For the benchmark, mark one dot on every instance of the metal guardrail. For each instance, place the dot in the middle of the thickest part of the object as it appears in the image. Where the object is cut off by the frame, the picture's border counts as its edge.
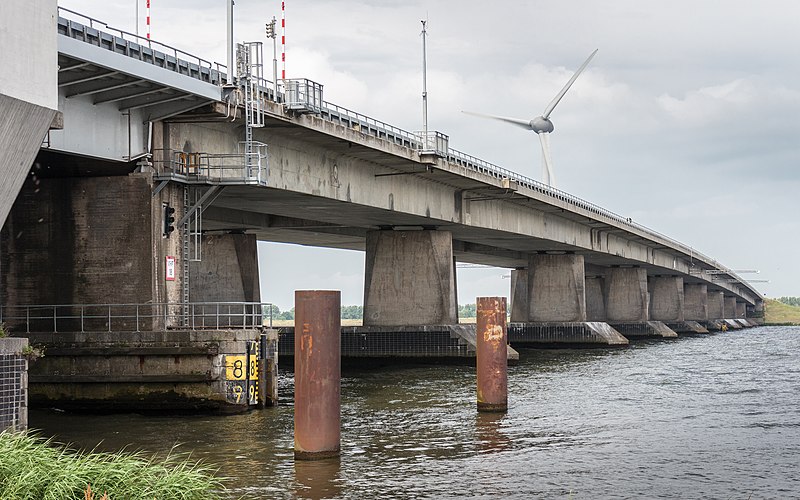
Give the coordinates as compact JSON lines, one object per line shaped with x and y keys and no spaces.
{"x":131,"y":44}
{"x":135,"y":317}
{"x":219,"y":168}
{"x":383,"y":130}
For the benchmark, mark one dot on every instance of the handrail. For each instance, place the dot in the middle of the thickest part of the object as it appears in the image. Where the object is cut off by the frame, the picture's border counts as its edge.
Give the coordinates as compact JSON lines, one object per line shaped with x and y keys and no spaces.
{"x":142,"y":40}
{"x":136,"y":317}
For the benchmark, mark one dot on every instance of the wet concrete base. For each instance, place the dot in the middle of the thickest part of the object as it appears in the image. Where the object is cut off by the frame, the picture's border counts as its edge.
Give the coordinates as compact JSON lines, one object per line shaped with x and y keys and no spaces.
{"x":585,"y":334}
{"x":713,"y":325}
{"x":644,"y":329}
{"x":686,"y":327}
{"x":166,"y":371}
{"x":408,"y":343}
{"x":732,"y":324}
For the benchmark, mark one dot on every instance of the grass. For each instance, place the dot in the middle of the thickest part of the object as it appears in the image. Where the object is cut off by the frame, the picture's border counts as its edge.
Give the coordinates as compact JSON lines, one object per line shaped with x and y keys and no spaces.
{"x":32,"y":468}
{"x":778,"y":313}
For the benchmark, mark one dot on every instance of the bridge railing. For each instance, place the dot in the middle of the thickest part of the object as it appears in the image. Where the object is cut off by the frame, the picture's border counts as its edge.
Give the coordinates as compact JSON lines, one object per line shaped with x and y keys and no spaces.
{"x":88,"y":29}
{"x":97,"y":318}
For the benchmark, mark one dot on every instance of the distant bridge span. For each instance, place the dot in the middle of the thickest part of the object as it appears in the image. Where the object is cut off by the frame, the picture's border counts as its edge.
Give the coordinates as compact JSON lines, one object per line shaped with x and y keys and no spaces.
{"x":333,"y":174}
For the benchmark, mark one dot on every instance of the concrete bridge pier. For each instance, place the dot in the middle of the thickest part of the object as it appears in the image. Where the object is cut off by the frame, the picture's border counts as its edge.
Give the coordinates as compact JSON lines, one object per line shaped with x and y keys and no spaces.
{"x":88,"y":276}
{"x":410,"y":304}
{"x":729,"y":312}
{"x":409,"y":279}
{"x":716,"y":310}
{"x":549,"y":305}
{"x":627,"y":304}
{"x":668,"y":304}
{"x":695,"y":304}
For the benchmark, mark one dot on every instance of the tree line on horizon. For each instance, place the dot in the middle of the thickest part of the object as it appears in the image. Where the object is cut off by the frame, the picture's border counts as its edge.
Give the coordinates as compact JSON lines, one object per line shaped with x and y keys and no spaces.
{"x":789,"y":301}
{"x":353,"y":312}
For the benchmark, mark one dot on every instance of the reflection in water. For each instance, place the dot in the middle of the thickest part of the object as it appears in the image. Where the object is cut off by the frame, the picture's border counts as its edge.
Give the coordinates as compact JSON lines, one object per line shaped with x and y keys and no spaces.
{"x":701,"y":417}
{"x":489,"y":432}
{"x":316,"y":479}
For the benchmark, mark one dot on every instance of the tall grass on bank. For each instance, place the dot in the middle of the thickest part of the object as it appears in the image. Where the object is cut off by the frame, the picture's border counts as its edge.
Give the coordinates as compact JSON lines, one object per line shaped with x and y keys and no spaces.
{"x":37,"y":469}
{"x":777,"y":313}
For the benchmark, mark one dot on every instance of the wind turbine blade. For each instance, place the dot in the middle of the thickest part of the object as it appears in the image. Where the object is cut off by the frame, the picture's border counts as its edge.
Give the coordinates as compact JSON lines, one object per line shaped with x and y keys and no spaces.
{"x":550,"y":107}
{"x":548,"y":176}
{"x":526,"y":124}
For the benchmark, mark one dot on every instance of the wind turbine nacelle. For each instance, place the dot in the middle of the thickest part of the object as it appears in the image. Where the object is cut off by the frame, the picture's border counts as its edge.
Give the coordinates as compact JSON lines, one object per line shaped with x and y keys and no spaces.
{"x":541,"y":125}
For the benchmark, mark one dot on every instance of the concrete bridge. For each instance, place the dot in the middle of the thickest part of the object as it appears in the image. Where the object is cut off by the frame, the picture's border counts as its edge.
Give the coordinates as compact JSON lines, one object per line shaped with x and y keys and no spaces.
{"x":146,"y":132}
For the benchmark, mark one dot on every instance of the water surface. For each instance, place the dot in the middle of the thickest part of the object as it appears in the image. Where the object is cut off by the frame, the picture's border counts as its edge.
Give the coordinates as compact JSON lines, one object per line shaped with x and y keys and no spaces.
{"x":713,"y":416}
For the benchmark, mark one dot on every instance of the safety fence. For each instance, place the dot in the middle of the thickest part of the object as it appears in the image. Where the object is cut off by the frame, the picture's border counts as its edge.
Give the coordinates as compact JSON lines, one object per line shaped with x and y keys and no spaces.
{"x":135,"y":317}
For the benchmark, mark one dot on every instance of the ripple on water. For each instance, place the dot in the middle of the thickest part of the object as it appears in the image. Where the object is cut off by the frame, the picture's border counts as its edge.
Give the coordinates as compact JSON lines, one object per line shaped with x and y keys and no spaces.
{"x":701,"y":417}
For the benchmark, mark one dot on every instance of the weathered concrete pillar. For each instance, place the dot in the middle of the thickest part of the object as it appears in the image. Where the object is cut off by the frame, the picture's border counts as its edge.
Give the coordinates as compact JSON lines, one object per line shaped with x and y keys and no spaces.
{"x":595,"y":303}
{"x":317,"y":374}
{"x":520,"y":306}
{"x":228,"y":271}
{"x":741,"y":310}
{"x":716,"y":305}
{"x":695,"y":301}
{"x":556,"y":288}
{"x":666,"y":298}
{"x":491,"y":354}
{"x":626,"y":294}
{"x":729,"y":307}
{"x":409,"y":279}
{"x":627,"y":304}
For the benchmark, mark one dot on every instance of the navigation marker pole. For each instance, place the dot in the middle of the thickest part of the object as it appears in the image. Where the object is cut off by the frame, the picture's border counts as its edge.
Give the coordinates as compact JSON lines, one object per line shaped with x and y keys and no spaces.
{"x":148,"y":20}
{"x":492,"y":354}
{"x":283,"y":40}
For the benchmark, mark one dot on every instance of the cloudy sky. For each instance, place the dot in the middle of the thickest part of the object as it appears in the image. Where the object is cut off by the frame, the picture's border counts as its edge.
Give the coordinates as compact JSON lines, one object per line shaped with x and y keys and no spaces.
{"x":686,"y":120}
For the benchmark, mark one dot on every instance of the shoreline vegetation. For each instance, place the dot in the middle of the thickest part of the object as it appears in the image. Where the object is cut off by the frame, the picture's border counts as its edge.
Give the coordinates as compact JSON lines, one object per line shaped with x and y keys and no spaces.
{"x":777,"y":312}
{"x":35,"y":468}
{"x":780,"y":313}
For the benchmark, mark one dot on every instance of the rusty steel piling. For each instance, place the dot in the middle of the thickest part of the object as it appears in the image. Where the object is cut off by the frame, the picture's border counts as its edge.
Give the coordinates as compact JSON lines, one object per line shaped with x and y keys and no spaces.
{"x":492,"y":353}
{"x":317,"y":374}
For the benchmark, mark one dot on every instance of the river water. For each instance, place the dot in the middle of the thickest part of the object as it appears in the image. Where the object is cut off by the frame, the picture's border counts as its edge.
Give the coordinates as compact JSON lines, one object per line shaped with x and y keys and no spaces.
{"x":713,"y":416}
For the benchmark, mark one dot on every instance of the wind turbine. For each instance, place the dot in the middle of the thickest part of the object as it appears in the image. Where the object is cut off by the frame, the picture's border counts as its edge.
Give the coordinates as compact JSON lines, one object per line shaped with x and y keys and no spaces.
{"x":542,"y":124}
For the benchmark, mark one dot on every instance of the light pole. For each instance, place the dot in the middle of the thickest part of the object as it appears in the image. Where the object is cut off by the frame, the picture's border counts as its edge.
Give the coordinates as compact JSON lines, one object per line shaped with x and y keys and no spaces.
{"x":424,"y":84}
{"x":272,"y":33}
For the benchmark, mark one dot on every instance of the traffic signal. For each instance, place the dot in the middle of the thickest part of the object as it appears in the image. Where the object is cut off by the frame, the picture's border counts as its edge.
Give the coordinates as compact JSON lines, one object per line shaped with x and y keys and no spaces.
{"x":169,"y":220}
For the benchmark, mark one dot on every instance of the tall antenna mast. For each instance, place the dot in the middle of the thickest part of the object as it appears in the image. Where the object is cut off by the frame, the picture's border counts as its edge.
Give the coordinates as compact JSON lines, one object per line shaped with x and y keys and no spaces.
{"x":231,"y":63}
{"x":424,"y":83}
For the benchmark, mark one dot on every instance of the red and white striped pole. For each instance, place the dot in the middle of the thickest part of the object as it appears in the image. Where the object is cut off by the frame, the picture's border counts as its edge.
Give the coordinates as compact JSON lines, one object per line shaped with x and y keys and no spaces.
{"x":283,"y":40}
{"x":148,"y":19}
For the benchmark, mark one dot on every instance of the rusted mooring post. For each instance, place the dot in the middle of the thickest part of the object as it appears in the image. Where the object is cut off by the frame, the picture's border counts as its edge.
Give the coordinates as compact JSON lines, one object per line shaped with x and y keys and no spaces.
{"x":492,"y":354}
{"x":317,"y":374}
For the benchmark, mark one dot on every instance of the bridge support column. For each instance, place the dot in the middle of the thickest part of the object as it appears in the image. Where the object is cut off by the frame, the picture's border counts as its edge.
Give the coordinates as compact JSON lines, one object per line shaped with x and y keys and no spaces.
{"x":409,"y":279}
{"x":667,"y":304}
{"x":741,"y":310}
{"x":520,"y":306}
{"x":627,"y":304}
{"x":556,"y":305}
{"x":695,"y":306}
{"x":228,"y":271}
{"x":716,"y":310}
{"x":595,"y":303}
{"x":556,"y":288}
{"x":96,"y":245}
